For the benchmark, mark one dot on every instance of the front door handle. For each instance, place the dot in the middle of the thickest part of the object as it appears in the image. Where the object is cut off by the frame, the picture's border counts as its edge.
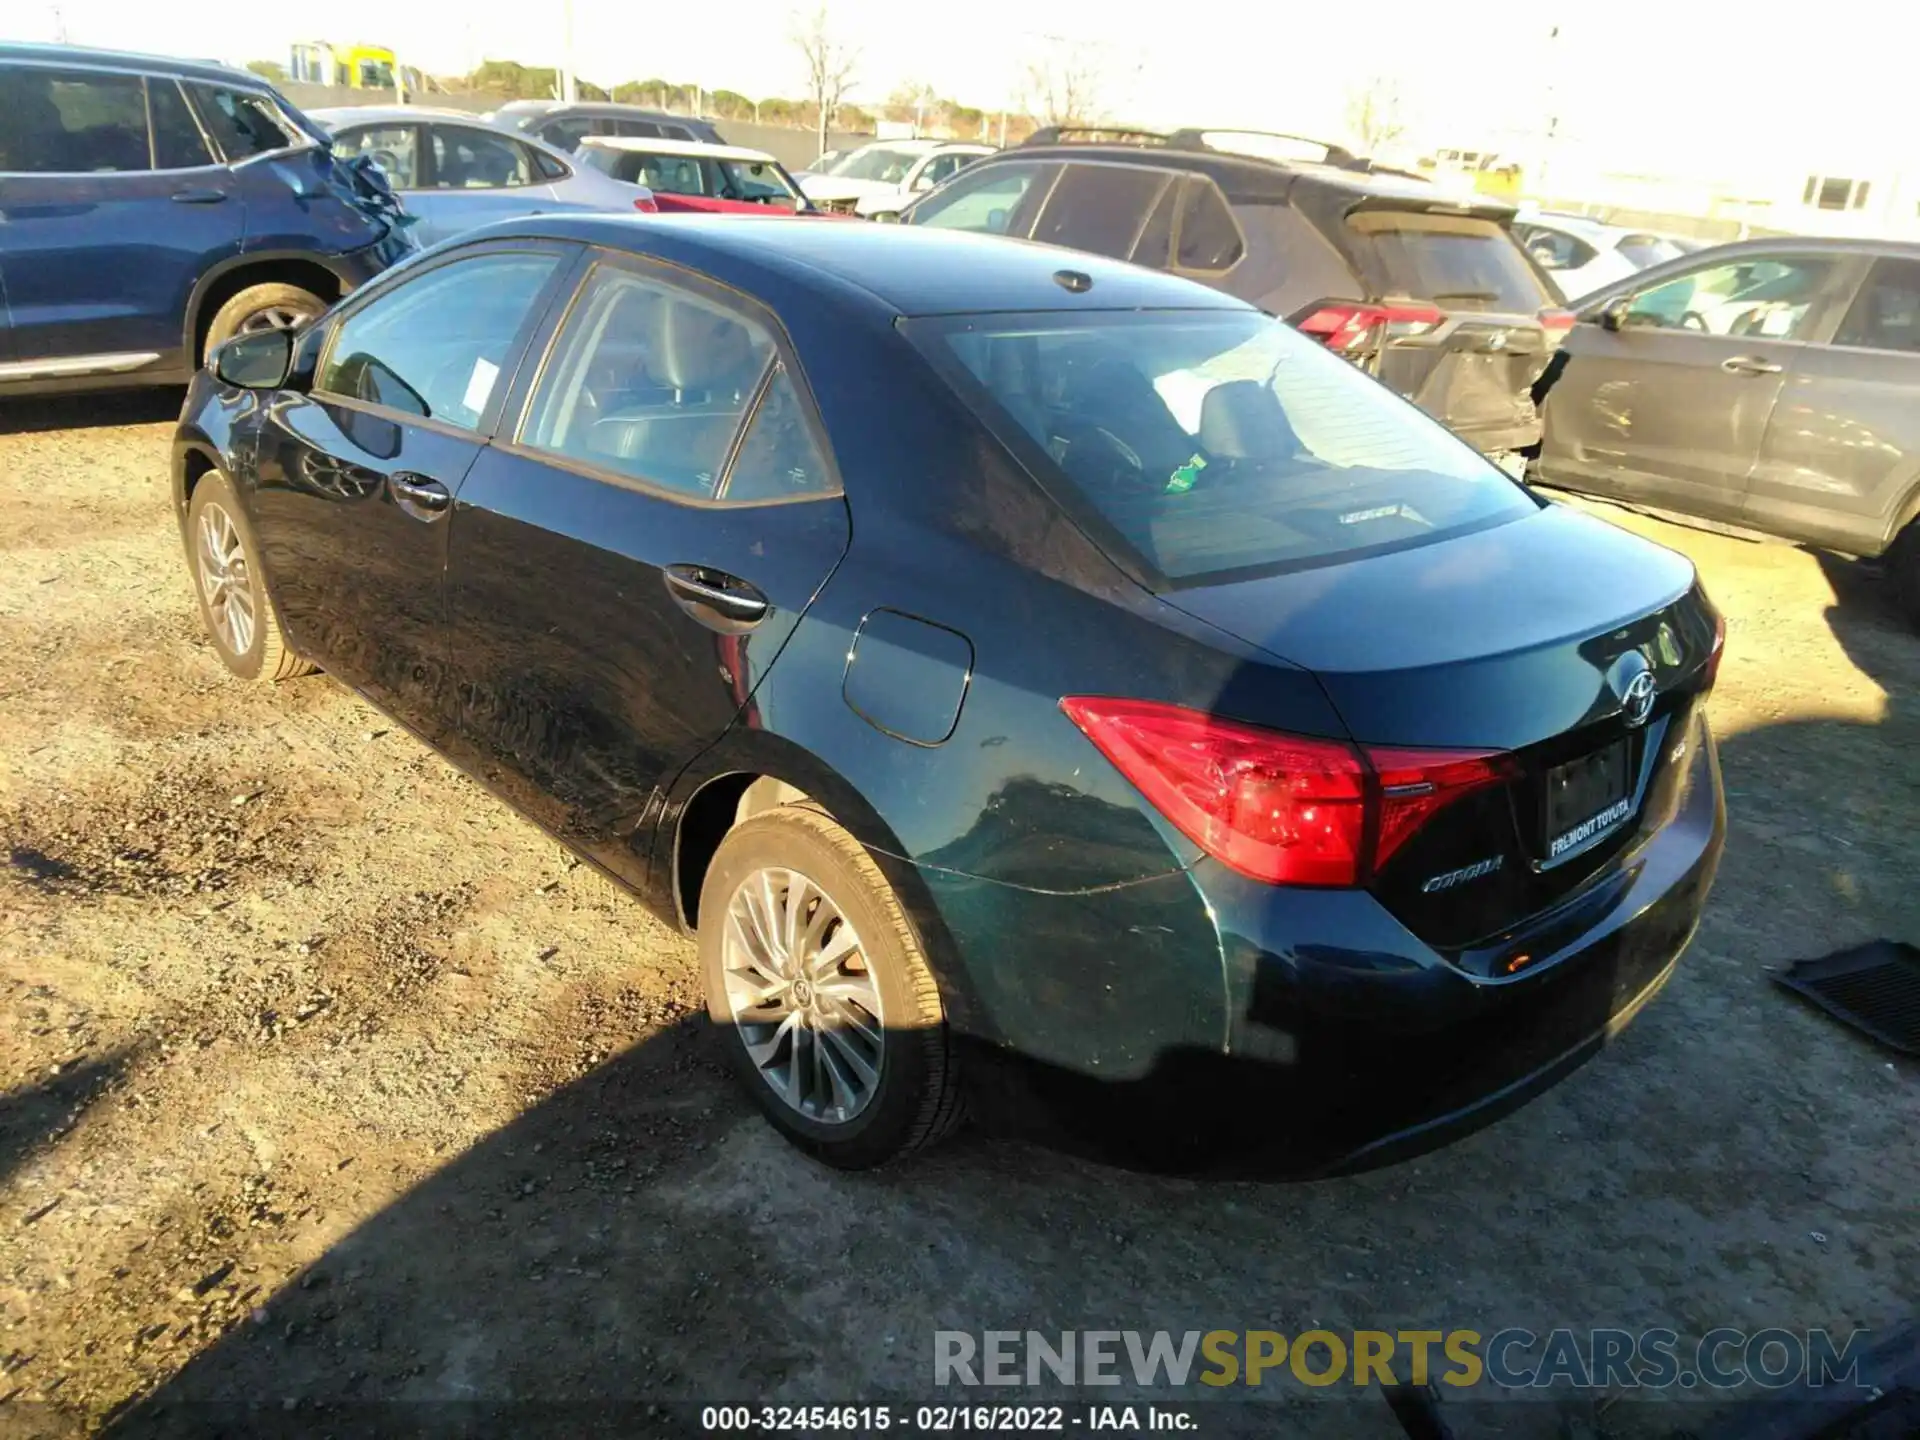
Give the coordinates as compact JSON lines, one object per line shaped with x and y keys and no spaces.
{"x":716,"y":599}
{"x":421,"y":497}
{"x":1748,"y":365}
{"x":199,"y":197}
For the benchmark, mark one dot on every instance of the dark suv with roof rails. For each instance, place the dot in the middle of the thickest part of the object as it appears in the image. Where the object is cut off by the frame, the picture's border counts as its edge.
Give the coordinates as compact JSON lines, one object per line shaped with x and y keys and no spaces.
{"x":1425,"y":289}
{"x":151,"y":208}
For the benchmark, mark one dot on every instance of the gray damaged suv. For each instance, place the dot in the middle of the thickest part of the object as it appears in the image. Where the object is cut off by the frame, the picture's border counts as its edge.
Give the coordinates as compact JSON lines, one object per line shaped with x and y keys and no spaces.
{"x":1772,"y":385}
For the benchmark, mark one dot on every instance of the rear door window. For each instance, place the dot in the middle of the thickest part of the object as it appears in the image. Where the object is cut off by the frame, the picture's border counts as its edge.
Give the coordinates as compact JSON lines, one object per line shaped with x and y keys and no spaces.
{"x":1886,"y":313}
{"x":177,"y":141}
{"x":1209,"y":238}
{"x":1101,"y":208}
{"x":467,"y":158}
{"x":994,"y":200}
{"x":72,"y":122}
{"x":1461,"y":262}
{"x":566,"y":134}
{"x":652,"y":382}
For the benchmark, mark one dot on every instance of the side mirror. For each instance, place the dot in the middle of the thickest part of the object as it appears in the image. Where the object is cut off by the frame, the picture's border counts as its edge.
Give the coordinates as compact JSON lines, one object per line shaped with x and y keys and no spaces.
{"x":1614,"y":315}
{"x":258,"y":361}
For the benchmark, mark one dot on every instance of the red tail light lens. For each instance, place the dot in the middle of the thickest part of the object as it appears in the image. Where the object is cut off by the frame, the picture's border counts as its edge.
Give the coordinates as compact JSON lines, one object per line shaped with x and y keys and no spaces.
{"x":1719,"y":649}
{"x":1284,"y":809}
{"x":1280,"y":808}
{"x":648,"y":204}
{"x":1347,"y":326}
{"x":1561,"y":320}
{"x":1416,"y":785}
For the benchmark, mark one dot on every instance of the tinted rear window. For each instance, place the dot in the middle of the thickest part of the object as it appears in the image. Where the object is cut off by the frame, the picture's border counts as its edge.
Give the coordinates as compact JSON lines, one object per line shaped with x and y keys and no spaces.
{"x":1214,"y":442}
{"x":1458,"y":261}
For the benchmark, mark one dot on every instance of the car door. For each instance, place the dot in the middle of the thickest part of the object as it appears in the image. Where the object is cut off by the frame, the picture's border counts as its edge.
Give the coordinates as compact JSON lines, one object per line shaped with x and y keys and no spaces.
{"x":111,"y":208}
{"x":631,"y":554}
{"x":1665,"y":398}
{"x":356,"y":472}
{"x":473,"y":175}
{"x":1842,"y":452}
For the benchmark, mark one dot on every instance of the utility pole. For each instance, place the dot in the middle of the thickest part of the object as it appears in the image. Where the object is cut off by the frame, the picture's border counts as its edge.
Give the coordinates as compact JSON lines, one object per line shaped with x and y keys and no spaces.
{"x":568,"y":93}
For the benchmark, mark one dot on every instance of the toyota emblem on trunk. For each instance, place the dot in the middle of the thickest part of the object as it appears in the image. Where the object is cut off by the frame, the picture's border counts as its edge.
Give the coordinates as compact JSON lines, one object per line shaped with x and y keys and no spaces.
{"x":1637,"y":699}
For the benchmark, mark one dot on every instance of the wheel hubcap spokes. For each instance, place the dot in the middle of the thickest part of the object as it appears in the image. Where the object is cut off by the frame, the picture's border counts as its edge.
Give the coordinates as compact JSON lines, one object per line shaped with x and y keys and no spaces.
{"x":803,"y":997}
{"x":274,"y":317}
{"x":224,"y":580}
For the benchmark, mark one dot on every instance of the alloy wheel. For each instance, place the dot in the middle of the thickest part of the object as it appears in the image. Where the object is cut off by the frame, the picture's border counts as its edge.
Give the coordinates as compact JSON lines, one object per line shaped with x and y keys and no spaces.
{"x":803,"y":996}
{"x":225,"y":580}
{"x":273,"y":317}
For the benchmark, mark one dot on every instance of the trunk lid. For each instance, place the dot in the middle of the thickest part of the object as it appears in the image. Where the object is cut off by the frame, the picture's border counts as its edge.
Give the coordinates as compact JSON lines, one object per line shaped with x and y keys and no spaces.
{"x":1527,"y":639}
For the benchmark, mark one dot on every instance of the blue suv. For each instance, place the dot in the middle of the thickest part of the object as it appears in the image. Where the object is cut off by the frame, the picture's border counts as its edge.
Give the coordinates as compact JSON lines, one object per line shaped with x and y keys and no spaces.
{"x":151,"y":208}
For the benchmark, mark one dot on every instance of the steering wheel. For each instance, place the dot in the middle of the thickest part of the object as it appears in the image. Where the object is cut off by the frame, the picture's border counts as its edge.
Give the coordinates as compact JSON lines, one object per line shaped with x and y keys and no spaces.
{"x":1694,"y":320}
{"x":385,"y":161}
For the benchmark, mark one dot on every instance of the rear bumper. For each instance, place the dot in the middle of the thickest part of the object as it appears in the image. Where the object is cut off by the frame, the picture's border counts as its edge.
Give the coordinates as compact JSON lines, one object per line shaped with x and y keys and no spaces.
{"x":1349,"y":1043}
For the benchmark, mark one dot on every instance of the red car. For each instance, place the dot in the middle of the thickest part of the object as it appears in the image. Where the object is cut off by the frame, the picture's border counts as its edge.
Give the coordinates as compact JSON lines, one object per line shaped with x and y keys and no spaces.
{"x":691,"y":175}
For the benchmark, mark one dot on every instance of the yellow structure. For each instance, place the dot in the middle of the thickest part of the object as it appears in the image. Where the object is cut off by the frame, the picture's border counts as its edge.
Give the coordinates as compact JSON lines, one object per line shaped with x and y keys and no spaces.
{"x":356,"y":67}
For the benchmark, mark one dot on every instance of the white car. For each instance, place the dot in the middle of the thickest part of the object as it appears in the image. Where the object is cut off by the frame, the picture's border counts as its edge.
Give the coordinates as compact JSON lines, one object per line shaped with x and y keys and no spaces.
{"x":1585,"y":255}
{"x":879,"y":180}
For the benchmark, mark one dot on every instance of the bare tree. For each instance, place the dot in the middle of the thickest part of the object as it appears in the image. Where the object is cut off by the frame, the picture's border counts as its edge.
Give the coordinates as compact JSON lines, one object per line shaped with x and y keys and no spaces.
{"x":831,"y":63}
{"x":1374,"y":114}
{"x":1063,"y":86}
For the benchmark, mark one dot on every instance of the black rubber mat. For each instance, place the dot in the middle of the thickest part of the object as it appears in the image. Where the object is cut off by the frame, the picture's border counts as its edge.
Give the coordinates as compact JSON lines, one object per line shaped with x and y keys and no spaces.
{"x":1875,"y":988}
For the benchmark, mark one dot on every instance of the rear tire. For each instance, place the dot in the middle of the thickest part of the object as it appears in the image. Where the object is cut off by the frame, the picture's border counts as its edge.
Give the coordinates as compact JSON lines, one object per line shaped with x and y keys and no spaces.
{"x":224,"y":559}
{"x":845,"y":1049}
{"x":261,"y":307}
{"x":1903,"y":572}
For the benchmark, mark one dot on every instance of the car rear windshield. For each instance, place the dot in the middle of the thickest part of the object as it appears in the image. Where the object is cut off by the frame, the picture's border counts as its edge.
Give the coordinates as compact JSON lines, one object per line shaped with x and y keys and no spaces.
{"x":1459,"y":261}
{"x":1209,"y":442}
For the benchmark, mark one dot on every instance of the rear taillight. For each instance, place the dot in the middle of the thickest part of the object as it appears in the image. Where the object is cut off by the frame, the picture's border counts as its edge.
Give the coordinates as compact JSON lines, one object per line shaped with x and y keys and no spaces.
{"x":1349,"y":327}
{"x":1284,"y":809}
{"x":647,"y":204}
{"x":1714,"y":655}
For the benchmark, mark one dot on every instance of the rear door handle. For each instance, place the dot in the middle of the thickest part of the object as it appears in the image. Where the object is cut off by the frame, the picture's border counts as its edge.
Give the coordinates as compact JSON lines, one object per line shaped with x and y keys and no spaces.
{"x":716,"y":599}
{"x":199,"y":197}
{"x":422,"y":498}
{"x":1748,"y":365}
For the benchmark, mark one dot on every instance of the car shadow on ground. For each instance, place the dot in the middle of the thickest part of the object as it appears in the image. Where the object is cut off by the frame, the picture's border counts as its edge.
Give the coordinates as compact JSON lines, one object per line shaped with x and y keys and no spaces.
{"x":34,"y":1116}
{"x":151,"y":406}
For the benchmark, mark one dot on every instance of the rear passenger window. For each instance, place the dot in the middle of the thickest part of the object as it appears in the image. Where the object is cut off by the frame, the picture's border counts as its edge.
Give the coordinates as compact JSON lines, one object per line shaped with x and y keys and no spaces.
{"x":1886,"y":314}
{"x":651,"y":382}
{"x":779,"y":458}
{"x":1155,"y":245}
{"x":1101,"y":208}
{"x":1209,"y":238}
{"x":72,"y":122}
{"x":435,"y":346}
{"x":468,"y":158}
{"x":549,"y":168}
{"x":640,"y":129}
{"x":242,"y":122}
{"x":177,"y":141}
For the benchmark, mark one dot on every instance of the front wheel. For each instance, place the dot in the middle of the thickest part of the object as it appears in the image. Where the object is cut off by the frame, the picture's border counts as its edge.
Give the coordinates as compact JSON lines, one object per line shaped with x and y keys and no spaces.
{"x":821,"y":993}
{"x":234,"y":604}
{"x":262,"y":307}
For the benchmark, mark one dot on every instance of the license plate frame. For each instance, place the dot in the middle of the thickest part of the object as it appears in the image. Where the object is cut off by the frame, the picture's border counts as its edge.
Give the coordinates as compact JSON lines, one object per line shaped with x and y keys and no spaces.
{"x":1584,"y":800}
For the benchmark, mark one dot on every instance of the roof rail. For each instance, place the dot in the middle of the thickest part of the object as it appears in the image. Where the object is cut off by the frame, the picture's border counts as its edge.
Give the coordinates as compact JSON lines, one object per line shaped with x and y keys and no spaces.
{"x":1094,"y":135}
{"x":1196,"y":137}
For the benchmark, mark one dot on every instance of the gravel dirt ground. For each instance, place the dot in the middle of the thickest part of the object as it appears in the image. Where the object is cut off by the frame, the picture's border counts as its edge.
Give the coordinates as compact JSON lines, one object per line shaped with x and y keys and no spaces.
{"x":332,"y":1084}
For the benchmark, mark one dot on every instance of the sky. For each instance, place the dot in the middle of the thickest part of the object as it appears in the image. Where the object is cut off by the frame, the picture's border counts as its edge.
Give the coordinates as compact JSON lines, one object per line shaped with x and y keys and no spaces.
{"x":1685,"y":85}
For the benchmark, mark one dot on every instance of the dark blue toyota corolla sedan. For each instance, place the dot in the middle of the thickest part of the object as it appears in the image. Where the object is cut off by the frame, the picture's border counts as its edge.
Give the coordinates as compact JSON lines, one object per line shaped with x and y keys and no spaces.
{"x":1025,"y":673}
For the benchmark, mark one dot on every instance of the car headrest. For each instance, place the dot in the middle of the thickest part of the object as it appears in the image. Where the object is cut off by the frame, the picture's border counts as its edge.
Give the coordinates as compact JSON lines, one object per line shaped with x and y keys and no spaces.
{"x":1242,"y":420}
{"x":698,"y":349}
